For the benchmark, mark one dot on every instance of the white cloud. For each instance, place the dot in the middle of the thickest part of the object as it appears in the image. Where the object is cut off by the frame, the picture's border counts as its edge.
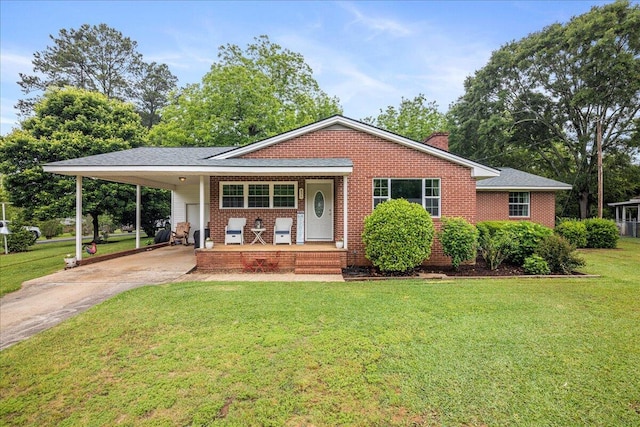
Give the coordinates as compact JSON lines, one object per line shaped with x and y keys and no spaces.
{"x":376,"y":25}
{"x":13,"y":64}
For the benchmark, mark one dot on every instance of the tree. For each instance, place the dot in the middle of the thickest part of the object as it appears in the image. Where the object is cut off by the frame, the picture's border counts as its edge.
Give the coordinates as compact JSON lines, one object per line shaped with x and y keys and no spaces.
{"x":155,"y":205}
{"x":538,"y":101}
{"x":68,"y":123}
{"x":247,"y":95}
{"x":100,"y":59}
{"x":415,"y":119}
{"x":152,"y":89}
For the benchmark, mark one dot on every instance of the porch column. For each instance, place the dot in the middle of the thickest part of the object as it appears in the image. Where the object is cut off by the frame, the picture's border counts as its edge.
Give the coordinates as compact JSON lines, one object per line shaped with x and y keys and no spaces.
{"x":79,"y":217}
{"x":138,"y":216}
{"x":201,"y":225}
{"x":345,"y":211}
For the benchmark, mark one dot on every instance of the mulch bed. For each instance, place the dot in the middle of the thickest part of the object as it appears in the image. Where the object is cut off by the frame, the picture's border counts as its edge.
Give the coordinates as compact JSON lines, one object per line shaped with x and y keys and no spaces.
{"x":479,"y":269}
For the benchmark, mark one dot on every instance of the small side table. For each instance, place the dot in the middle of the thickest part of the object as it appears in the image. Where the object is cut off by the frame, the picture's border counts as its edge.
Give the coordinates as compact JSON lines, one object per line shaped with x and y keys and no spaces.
{"x":258,"y":232}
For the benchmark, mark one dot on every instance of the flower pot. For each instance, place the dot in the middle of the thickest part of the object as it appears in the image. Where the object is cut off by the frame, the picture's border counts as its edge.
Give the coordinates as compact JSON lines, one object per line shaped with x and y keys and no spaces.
{"x":208,"y":244}
{"x":339,"y":244}
{"x":70,"y":262}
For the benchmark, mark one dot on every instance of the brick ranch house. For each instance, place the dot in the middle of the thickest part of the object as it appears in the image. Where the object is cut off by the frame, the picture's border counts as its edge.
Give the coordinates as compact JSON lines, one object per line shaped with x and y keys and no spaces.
{"x":326,"y":176}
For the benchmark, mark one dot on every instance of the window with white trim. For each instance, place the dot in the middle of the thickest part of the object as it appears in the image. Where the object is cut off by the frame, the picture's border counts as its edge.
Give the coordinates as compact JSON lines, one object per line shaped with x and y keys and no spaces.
{"x":519,"y":203}
{"x":258,"y":195}
{"x":425,"y":192}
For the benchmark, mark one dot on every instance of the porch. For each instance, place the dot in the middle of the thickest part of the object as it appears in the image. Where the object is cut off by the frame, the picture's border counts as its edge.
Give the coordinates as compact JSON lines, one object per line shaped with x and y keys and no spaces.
{"x":310,"y":258}
{"x":628,"y":217}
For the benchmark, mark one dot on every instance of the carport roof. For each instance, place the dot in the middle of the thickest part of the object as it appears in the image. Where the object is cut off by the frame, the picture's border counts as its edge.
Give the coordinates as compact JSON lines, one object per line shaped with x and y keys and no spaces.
{"x":160,"y":167}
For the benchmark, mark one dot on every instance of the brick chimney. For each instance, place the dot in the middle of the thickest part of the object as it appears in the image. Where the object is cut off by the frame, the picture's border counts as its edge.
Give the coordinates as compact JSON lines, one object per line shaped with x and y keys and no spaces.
{"x":439,"y":140}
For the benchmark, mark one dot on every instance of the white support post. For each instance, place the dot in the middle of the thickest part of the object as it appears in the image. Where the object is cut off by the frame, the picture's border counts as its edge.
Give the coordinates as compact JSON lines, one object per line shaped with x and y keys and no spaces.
{"x":345,"y":211}
{"x":138,"y":198}
{"x":201,"y":225}
{"x":79,"y":217}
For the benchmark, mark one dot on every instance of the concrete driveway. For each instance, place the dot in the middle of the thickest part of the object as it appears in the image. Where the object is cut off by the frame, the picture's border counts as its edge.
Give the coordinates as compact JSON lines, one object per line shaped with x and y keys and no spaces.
{"x":48,"y":300}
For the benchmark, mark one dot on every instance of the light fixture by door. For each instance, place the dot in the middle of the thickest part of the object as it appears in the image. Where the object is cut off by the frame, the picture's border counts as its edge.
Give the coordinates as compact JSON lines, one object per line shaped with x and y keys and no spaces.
{"x":182,"y":178}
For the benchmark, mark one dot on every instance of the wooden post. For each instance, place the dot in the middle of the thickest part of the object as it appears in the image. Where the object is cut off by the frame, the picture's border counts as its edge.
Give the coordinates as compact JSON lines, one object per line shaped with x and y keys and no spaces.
{"x":600,"y":184}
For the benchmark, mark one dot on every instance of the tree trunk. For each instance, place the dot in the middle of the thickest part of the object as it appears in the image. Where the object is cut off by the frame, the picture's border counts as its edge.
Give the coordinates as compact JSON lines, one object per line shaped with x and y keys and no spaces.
{"x":96,"y":228}
{"x":583,"y":201}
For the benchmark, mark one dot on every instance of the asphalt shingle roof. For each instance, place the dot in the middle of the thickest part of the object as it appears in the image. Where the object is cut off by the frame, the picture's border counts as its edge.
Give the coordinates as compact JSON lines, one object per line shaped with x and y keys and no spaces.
{"x":513,"y":178}
{"x":190,"y":156}
{"x":149,"y":156}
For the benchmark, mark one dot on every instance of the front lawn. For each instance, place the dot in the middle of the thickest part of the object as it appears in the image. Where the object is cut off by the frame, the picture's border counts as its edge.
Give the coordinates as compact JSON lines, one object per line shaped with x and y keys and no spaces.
{"x":539,"y":352}
{"x":46,"y":258}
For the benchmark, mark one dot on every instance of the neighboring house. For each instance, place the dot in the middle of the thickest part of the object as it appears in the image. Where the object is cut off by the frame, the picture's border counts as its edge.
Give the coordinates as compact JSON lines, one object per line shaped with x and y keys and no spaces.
{"x":628,"y":216}
{"x":326,"y":176}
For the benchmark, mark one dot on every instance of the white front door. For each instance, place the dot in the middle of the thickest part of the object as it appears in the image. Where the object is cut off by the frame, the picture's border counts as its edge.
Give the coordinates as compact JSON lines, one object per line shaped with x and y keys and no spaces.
{"x":319,"y":211}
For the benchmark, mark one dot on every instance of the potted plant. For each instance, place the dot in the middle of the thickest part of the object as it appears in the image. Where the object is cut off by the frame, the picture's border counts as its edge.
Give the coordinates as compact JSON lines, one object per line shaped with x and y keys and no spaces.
{"x":70,"y":261}
{"x":208,"y":243}
{"x":339,"y":243}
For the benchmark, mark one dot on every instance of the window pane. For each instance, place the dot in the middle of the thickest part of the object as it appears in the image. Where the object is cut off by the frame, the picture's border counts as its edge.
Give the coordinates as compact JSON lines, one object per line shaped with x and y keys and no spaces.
{"x":432,"y":188}
{"x":380,"y":188}
{"x":432,"y":206}
{"x":258,"y":196}
{"x":410,"y":189}
{"x":284,"y":196}
{"x":519,"y":204}
{"x":233,"y":196}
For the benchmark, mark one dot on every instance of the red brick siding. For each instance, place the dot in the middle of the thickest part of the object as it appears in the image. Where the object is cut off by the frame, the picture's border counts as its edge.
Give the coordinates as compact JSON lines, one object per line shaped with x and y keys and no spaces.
{"x":494,"y":205}
{"x":372,"y":157}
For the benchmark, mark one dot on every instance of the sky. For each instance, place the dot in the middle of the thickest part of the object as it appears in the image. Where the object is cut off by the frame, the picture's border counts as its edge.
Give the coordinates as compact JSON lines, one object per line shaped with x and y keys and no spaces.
{"x":369,"y":54}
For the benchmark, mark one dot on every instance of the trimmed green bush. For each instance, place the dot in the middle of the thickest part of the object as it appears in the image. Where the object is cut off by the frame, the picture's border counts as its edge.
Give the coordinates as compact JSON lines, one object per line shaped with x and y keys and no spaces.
{"x":494,"y":249}
{"x":535,"y":264}
{"x":458,"y":239}
{"x":398,"y":235}
{"x":601,"y":233}
{"x":574,"y":231}
{"x":526,"y":236}
{"x":559,"y":254}
{"x":20,"y":238}
{"x":51,"y":228}
{"x":490,"y":227}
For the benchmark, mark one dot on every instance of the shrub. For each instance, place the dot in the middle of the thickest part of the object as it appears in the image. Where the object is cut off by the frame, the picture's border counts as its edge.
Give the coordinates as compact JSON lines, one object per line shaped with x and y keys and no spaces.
{"x":20,"y":238}
{"x":494,"y":249}
{"x":51,"y":228}
{"x":398,"y":235}
{"x":526,"y":236}
{"x":458,"y":239}
{"x":535,"y":264}
{"x":559,"y":254}
{"x":574,"y":231}
{"x":490,"y":227}
{"x":601,"y":233}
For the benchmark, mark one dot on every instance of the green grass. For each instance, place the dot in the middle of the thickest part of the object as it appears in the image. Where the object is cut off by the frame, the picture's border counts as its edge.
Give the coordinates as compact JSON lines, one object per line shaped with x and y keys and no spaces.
{"x":533,"y":352}
{"x":46,"y":258}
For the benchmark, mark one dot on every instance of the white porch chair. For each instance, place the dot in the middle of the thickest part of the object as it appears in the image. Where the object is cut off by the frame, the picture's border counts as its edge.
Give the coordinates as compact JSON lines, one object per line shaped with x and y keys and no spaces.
{"x":234,"y":231}
{"x":282,"y":230}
